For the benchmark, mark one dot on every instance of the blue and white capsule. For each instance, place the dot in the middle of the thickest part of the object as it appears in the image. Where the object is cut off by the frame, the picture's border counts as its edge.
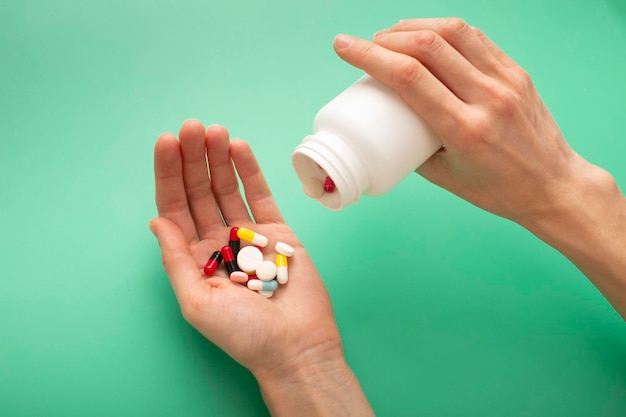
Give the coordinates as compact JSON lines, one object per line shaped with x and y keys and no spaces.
{"x":258,"y":285}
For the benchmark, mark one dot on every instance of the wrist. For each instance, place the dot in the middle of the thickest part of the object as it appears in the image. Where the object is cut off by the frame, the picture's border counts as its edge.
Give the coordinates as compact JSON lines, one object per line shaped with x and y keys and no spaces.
{"x":583,"y":209}
{"x":586,"y":222}
{"x":317,"y":382}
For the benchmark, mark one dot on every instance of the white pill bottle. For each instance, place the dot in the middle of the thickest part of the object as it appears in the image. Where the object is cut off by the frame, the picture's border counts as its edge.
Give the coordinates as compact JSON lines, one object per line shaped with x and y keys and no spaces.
{"x":366,"y":140}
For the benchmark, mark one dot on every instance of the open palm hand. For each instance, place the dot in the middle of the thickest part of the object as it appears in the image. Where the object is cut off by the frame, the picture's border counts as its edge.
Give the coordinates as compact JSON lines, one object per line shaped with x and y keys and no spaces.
{"x":199,"y":200}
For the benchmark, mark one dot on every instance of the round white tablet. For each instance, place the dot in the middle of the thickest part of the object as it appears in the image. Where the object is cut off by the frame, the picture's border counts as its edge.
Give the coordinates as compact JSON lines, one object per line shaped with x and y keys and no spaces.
{"x":248,"y":258}
{"x":266,"y":271}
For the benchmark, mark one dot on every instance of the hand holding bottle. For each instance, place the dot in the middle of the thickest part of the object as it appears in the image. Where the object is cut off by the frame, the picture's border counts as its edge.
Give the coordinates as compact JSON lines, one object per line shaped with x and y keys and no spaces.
{"x":503,"y":150}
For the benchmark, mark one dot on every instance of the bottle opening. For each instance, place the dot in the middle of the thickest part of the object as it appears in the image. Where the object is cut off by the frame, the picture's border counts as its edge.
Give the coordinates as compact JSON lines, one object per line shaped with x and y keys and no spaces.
{"x":317,"y":182}
{"x":329,"y":170}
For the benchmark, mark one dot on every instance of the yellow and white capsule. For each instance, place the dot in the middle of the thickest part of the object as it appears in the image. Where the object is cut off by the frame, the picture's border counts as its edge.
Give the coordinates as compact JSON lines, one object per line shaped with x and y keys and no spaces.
{"x":252,"y":237}
{"x":282,"y":275}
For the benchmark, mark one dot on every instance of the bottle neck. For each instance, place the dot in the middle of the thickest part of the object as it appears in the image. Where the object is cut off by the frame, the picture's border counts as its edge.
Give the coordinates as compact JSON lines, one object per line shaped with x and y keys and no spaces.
{"x":323,"y":155}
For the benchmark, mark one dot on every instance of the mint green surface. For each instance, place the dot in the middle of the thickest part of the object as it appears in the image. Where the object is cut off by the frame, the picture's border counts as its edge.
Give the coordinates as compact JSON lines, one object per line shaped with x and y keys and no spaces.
{"x":445,"y":310}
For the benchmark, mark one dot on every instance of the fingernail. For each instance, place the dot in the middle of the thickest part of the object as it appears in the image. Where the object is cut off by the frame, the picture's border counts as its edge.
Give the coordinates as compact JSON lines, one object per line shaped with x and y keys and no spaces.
{"x":380,"y":32}
{"x":343,"y":41}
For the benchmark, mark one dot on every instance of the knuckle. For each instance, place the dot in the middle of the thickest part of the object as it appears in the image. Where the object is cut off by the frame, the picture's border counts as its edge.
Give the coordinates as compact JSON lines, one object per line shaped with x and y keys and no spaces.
{"x":477,"y":128}
{"x":478,"y":32}
{"x":505,"y":105}
{"x":426,"y":40}
{"x":503,"y":101}
{"x":523,"y":80}
{"x":406,"y":73}
{"x":455,"y":26}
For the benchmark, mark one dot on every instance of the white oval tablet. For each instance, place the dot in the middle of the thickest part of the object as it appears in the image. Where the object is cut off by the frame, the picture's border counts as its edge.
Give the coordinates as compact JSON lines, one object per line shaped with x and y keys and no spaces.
{"x":248,"y":258}
{"x":284,"y":249}
{"x":266,"y":271}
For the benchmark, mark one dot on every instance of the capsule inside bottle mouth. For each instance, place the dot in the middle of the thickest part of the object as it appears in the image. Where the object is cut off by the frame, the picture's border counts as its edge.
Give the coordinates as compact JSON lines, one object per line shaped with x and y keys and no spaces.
{"x":315,"y":188}
{"x":329,"y":184}
{"x":320,"y":181}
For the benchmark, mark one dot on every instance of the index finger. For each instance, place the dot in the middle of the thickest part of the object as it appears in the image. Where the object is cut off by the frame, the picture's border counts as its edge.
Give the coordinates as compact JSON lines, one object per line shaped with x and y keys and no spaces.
{"x":171,"y":199}
{"x":461,"y":36}
{"x":422,"y":91}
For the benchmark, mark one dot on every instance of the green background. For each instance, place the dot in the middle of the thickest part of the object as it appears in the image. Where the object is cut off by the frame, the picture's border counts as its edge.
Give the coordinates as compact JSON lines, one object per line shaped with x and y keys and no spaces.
{"x":445,"y":310}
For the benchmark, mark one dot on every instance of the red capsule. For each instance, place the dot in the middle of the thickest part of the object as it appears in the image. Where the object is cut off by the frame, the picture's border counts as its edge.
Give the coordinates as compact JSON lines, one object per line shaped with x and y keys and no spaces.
{"x":229,"y":259}
{"x":213,"y":263}
{"x":329,"y":185}
{"x":234,"y":242}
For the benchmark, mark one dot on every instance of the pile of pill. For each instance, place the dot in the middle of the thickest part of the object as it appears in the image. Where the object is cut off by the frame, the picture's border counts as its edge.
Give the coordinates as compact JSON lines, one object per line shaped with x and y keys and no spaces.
{"x":247,"y":265}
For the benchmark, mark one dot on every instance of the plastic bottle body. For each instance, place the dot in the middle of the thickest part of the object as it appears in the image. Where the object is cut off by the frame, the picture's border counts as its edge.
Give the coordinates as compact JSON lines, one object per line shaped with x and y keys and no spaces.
{"x":367,"y":139}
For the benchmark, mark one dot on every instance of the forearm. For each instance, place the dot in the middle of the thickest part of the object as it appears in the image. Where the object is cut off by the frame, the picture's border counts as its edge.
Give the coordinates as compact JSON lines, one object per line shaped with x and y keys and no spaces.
{"x":588,"y":226}
{"x":315,"y":389}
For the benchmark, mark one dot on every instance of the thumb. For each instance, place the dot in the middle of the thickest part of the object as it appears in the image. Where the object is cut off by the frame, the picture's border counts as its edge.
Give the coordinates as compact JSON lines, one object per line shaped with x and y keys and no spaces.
{"x":179,"y":264}
{"x":167,"y":233}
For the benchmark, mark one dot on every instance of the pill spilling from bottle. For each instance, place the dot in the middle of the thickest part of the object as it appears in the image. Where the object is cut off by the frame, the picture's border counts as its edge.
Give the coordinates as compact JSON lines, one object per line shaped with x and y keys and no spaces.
{"x":247,"y":265}
{"x":315,"y":188}
{"x":329,"y":184}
